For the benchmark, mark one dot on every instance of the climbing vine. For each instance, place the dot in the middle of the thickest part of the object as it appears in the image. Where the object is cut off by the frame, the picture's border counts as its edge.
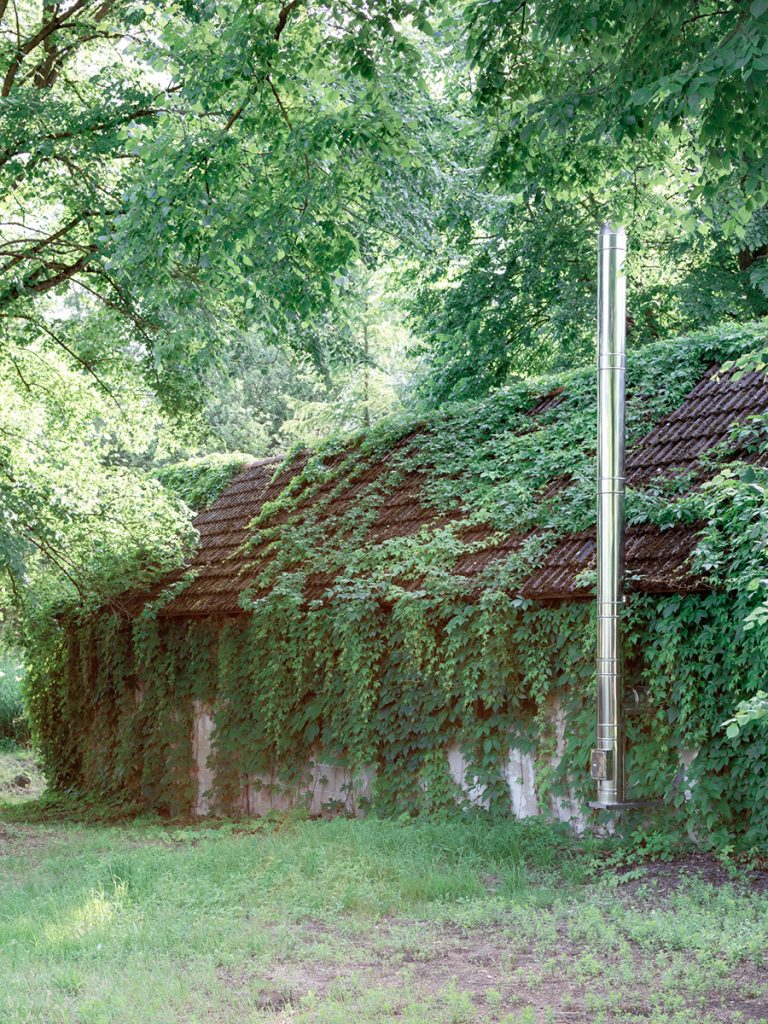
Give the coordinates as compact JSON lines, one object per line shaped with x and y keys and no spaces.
{"x":198,"y":481}
{"x":402,"y":655}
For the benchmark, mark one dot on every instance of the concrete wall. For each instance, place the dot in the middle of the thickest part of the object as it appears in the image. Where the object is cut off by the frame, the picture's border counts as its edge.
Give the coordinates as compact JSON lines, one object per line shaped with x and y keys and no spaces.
{"x":332,"y":787}
{"x":325,"y":787}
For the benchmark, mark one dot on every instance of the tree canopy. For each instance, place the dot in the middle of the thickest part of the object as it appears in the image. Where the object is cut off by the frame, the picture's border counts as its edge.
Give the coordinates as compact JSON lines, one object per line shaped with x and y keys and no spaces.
{"x":196,"y":169}
{"x":648,"y":113}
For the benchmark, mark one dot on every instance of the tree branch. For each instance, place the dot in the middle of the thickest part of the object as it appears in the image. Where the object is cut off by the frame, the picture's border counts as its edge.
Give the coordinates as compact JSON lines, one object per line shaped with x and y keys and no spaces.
{"x":40,"y":326}
{"x":125,"y":309}
{"x":34,"y":41}
{"x":44,"y":549}
{"x":287,"y":120}
{"x":38,"y":247}
{"x":100,"y":126}
{"x":34,"y":283}
{"x":283,"y":19}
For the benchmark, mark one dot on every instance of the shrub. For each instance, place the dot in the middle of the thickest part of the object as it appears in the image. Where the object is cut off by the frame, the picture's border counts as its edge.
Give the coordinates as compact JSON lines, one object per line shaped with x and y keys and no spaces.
{"x":13,"y":718}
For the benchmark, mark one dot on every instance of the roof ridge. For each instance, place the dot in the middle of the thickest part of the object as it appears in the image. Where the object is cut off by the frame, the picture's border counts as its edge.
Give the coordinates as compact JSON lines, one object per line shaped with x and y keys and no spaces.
{"x":266,"y":460}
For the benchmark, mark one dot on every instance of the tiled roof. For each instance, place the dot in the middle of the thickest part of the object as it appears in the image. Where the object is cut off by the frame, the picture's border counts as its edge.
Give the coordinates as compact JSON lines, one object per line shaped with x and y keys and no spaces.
{"x":655,"y":559}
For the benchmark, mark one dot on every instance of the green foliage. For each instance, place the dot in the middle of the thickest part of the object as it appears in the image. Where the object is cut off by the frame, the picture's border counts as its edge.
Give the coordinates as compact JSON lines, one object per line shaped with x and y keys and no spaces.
{"x":613,"y":78}
{"x":236,"y":171}
{"x":513,"y":293}
{"x":754,"y":709}
{"x":402,"y":655}
{"x":264,"y":399}
{"x":562,"y":116}
{"x":13,"y":720}
{"x":224,"y":175}
{"x":82,"y":512}
{"x":699,"y":662}
{"x":199,"y":481}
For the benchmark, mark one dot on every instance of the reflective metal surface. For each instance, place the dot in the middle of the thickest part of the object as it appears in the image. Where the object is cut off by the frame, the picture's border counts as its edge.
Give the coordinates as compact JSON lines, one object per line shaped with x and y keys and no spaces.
{"x":611,"y":331}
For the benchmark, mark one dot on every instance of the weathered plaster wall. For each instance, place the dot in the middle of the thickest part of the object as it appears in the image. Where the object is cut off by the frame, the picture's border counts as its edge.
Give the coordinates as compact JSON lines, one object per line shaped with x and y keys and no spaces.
{"x":329,"y":786}
{"x":326,"y":786}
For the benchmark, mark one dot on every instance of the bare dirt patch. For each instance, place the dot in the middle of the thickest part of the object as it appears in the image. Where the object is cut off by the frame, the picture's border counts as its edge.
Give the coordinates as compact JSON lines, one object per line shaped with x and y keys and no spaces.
{"x":559,"y":984}
{"x":23,"y":848}
{"x":661,"y":879}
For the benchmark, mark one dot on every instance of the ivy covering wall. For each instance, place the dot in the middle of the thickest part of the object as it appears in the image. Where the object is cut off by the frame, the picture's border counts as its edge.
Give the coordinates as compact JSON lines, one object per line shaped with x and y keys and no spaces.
{"x":403,"y":656}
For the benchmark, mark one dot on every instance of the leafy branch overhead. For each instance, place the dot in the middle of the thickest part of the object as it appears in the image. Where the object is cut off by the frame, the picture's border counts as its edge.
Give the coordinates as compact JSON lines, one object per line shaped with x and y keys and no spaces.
{"x":219,"y":164}
{"x":567,"y":114}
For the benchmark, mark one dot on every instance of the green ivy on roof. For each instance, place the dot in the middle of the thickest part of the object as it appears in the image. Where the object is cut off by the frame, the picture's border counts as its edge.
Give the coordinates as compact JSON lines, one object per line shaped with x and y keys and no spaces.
{"x":488,"y":494}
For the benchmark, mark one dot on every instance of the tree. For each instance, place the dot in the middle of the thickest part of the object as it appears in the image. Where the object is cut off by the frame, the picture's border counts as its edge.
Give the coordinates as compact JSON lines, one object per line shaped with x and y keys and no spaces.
{"x":199,"y":168}
{"x":612,"y":75}
{"x":649,"y":113}
{"x":81,"y":510}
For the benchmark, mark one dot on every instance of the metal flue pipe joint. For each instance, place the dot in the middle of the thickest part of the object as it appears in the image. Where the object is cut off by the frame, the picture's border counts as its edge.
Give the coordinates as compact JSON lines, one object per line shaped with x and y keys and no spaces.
{"x":607,"y":761}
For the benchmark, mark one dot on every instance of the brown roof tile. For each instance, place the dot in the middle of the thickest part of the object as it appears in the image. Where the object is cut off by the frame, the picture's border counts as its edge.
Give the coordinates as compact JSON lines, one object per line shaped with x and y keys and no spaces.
{"x":656,"y":560}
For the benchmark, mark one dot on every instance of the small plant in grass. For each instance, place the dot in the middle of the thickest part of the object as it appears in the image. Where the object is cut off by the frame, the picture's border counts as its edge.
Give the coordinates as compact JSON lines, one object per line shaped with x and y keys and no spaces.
{"x":526,"y":1016}
{"x":493,"y":999}
{"x":647,"y":844}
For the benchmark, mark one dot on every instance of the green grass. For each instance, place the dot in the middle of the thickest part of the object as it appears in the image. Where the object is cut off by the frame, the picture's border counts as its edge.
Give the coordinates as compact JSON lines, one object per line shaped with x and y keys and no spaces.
{"x":368,"y":921}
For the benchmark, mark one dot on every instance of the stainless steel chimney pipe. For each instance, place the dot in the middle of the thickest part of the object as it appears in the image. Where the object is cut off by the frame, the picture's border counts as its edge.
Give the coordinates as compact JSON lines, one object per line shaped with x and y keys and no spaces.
{"x":608,"y":757}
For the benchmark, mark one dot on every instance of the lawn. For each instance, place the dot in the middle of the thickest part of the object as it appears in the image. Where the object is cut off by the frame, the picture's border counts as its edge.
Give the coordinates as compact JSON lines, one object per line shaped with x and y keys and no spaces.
{"x":326,"y":922}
